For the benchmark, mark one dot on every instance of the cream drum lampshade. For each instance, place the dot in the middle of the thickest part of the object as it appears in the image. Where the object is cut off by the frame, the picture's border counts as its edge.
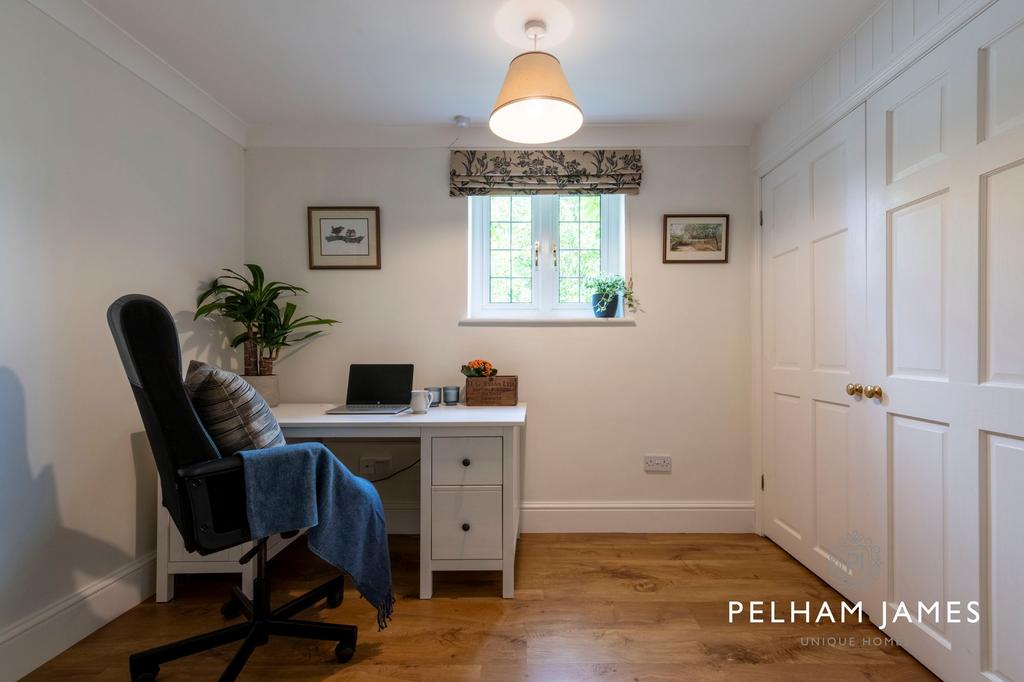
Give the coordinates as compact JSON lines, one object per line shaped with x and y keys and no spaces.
{"x":536,"y":104}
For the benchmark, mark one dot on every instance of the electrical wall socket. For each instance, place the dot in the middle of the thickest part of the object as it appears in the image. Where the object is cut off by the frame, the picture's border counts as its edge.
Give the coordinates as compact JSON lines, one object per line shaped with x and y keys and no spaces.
{"x":375,"y":466}
{"x":658,"y":464}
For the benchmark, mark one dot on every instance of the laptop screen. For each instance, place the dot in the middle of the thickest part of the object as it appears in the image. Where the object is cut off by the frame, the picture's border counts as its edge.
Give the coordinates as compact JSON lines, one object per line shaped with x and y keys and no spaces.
{"x":379,"y":385}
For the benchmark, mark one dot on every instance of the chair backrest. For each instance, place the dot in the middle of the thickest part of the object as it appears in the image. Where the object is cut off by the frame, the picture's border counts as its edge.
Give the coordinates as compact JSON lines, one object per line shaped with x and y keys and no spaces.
{"x":147,"y":341}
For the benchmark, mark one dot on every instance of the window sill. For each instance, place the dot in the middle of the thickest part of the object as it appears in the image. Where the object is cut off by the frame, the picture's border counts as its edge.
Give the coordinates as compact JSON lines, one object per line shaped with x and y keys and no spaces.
{"x":547,"y":322}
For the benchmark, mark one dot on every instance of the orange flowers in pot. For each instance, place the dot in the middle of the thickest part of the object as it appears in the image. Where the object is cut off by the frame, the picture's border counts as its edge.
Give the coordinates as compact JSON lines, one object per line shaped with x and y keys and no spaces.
{"x":479,"y":368}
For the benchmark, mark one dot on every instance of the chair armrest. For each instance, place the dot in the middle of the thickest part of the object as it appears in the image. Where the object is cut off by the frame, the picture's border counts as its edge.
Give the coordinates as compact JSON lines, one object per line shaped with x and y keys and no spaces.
{"x":216,"y":493}
{"x":211,"y":467}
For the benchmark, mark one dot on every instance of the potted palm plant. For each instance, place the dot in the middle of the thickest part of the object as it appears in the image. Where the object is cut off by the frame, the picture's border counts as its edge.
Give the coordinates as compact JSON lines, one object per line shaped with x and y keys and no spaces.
{"x":267,"y":327}
{"x":606,"y":291}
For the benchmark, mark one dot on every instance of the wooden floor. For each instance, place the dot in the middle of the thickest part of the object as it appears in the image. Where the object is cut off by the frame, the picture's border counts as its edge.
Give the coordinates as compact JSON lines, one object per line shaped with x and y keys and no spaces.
{"x":587,"y":607}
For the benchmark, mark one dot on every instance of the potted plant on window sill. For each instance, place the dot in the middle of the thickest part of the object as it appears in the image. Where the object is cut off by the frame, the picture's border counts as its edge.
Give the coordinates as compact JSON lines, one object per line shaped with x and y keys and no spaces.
{"x":606,"y":291}
{"x":267,"y":327}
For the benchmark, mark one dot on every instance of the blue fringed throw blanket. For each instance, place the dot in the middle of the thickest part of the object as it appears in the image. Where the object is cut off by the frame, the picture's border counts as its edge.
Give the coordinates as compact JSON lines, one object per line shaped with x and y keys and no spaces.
{"x":289,"y":487}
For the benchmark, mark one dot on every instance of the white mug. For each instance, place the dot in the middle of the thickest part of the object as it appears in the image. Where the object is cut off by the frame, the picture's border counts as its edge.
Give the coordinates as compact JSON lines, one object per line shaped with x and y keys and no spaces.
{"x":420,"y":401}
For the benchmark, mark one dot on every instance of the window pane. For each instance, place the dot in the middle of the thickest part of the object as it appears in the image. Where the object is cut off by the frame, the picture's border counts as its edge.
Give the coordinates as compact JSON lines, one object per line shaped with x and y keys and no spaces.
{"x":579,"y":245}
{"x":590,"y":209}
{"x":510,"y":250}
{"x":522,"y":290}
{"x":501,"y":264}
{"x":521,"y":209}
{"x":521,"y":264}
{"x":500,"y":290}
{"x":499,"y":236}
{"x":501,"y":209}
{"x":590,"y":235}
{"x":522,"y":235}
{"x":569,"y":264}
{"x":569,"y":290}
{"x":568,"y":236}
{"x":569,"y":208}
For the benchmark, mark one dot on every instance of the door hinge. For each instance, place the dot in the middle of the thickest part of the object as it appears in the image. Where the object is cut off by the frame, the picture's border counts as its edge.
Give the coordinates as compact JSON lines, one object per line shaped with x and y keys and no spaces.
{"x":761,"y":217}
{"x":762,"y":482}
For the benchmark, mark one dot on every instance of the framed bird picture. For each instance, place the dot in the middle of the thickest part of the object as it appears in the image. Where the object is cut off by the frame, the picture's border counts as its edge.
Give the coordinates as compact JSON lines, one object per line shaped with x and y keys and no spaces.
{"x":344,"y":237}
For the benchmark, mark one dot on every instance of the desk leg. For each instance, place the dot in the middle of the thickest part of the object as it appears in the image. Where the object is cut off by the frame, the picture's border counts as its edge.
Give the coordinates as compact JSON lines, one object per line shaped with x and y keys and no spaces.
{"x":164,"y":582}
{"x":426,"y":572}
{"x":248,"y":575}
{"x":164,"y":578}
{"x":426,"y":583}
{"x":508,"y":581}
{"x":510,"y":509}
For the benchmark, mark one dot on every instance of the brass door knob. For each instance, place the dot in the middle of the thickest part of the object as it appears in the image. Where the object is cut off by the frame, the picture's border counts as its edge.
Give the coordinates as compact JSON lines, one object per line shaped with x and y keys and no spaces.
{"x":854,"y":389}
{"x":873,"y":392}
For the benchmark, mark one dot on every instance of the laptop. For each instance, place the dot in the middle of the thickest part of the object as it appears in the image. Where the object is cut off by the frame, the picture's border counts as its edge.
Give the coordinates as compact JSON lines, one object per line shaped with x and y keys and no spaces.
{"x":377,"y":389}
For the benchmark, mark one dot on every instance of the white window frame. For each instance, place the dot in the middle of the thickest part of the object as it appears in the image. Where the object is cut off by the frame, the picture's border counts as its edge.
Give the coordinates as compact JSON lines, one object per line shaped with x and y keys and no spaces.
{"x":545,"y":305}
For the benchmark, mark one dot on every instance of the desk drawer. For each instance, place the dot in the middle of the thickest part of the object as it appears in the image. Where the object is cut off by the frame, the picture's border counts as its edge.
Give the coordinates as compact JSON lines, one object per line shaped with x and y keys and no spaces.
{"x":466,"y":523}
{"x":466,"y":461}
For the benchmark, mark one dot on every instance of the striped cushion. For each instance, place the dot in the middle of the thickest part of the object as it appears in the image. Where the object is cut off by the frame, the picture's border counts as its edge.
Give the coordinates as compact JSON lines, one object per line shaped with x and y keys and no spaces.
{"x":234,"y":414}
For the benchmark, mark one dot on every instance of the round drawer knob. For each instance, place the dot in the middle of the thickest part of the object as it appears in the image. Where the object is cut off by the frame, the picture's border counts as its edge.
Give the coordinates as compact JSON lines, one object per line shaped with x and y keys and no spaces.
{"x":466,"y":462}
{"x":465,"y":526}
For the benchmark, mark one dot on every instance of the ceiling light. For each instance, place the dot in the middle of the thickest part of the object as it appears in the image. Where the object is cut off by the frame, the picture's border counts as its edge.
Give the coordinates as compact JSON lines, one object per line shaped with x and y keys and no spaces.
{"x":536,"y":104}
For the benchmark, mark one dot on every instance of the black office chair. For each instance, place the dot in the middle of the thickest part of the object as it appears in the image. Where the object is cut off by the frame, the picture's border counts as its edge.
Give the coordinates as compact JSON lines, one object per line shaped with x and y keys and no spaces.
{"x":204,"y":494}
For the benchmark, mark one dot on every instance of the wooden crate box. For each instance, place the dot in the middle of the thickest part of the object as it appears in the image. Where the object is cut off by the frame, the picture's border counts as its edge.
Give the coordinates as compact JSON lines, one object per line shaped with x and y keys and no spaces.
{"x":492,"y":391}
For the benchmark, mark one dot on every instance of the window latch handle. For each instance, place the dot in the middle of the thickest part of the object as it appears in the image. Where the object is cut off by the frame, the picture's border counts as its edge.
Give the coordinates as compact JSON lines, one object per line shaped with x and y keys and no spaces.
{"x":536,"y":254}
{"x":554,"y":254}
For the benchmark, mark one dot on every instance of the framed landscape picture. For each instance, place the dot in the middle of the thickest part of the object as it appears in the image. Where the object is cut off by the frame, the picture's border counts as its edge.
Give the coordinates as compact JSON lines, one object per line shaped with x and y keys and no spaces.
{"x":696,"y":239}
{"x":344,"y":237}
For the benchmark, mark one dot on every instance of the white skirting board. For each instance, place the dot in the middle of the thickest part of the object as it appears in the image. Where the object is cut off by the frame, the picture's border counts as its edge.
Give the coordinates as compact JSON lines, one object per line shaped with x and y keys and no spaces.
{"x":27,"y":644}
{"x":601,"y":516}
{"x":638,"y":516}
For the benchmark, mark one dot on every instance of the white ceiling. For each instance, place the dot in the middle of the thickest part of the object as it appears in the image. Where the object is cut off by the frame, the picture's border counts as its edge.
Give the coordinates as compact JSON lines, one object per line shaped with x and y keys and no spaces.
{"x":420,"y":62}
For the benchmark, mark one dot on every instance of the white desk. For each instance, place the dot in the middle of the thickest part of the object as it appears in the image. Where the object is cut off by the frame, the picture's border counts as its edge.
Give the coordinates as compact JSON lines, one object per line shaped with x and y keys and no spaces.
{"x":469,"y":478}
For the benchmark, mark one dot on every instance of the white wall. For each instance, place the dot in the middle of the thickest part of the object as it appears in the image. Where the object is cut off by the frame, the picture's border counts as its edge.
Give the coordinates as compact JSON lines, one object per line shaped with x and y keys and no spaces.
{"x":107,"y":187}
{"x":599,"y":398}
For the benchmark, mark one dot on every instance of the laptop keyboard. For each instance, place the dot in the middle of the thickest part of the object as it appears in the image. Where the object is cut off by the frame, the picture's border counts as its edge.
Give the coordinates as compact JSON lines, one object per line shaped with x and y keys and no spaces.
{"x":373,"y":408}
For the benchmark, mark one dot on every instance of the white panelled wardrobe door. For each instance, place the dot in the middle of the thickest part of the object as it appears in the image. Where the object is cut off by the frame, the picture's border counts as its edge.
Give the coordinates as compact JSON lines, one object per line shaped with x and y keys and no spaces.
{"x":946,"y":342}
{"x":823,"y":490}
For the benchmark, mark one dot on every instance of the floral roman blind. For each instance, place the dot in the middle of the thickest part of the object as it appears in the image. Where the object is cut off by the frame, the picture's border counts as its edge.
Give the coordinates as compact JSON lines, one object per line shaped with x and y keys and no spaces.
{"x":544,"y":171}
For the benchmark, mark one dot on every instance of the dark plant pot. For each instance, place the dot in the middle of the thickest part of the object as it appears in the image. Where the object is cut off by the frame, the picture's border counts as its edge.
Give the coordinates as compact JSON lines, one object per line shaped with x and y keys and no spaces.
{"x":610,"y":310}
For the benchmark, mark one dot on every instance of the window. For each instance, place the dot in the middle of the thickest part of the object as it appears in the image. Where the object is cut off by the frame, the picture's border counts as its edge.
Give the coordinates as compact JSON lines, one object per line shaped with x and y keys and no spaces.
{"x":530,"y":255}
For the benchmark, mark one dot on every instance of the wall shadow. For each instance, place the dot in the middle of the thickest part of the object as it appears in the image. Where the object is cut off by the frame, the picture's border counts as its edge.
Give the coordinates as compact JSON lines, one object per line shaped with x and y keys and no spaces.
{"x":43,"y":561}
{"x":208,"y":338}
{"x":145,"y":491}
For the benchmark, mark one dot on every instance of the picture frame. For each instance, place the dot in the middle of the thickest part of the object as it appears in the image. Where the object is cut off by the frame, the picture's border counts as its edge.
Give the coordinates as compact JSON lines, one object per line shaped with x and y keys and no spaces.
{"x":344,"y":237}
{"x":695,"y":238}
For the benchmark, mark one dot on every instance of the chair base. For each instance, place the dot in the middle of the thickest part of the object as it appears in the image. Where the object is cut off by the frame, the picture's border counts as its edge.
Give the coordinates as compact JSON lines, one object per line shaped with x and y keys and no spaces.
{"x":262,"y":622}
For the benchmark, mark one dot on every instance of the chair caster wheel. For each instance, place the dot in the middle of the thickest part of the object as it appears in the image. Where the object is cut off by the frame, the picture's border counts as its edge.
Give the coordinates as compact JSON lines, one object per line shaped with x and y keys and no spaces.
{"x":231,"y":609}
{"x":334,"y":598}
{"x":344,"y":652}
{"x":147,"y":674}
